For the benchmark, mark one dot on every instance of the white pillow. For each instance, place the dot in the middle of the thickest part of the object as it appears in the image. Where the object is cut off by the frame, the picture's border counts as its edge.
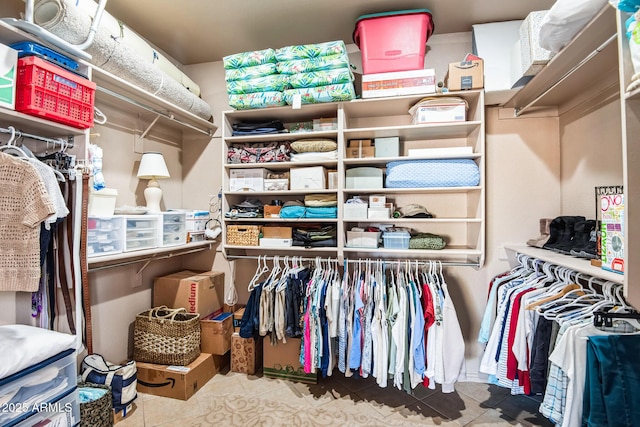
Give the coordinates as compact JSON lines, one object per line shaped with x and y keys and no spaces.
{"x":564,"y":20}
{"x":24,"y":346}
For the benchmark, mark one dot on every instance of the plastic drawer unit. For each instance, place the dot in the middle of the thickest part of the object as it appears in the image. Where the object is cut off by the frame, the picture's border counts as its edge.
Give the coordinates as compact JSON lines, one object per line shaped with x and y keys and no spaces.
{"x":141,"y":232}
{"x":44,"y":390}
{"x":173,"y":228}
{"x":105,"y":235}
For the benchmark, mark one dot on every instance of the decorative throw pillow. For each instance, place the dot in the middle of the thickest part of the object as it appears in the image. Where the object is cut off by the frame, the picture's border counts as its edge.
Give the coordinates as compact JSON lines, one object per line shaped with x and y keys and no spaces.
{"x":314,"y":145}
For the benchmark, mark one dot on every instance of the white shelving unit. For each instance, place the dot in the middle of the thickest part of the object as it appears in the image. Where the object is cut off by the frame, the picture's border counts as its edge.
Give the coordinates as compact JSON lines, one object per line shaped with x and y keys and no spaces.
{"x":126,"y":97}
{"x":459,"y":211}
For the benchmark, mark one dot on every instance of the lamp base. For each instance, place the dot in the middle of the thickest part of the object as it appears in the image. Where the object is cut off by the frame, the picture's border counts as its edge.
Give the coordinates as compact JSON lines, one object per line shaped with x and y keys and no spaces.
{"x":153,"y":196}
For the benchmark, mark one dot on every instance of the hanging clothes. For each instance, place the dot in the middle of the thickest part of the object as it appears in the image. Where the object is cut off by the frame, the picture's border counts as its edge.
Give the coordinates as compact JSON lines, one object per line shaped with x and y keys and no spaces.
{"x":26,"y":204}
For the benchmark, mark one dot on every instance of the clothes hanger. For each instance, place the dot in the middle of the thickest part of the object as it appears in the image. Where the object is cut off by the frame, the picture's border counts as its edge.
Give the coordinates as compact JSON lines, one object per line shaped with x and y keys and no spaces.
{"x":12,"y":149}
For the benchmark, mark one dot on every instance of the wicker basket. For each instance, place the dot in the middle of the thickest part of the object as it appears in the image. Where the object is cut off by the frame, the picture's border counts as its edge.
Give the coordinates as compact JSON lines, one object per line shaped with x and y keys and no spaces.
{"x":166,"y":336}
{"x":243,"y":235}
{"x":98,"y":412}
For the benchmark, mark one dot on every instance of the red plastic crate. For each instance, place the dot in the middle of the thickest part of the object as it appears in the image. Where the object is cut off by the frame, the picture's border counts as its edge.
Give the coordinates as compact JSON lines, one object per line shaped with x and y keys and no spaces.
{"x":393,"y":41}
{"x":46,"y":90}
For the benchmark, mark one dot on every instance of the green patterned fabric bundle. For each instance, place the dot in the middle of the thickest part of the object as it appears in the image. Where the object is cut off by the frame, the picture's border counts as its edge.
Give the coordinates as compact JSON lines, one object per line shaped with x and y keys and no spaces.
{"x":249,"y":59}
{"x":319,"y":94}
{"x":256,"y":100}
{"x":316,"y":72}
{"x":311,"y":51}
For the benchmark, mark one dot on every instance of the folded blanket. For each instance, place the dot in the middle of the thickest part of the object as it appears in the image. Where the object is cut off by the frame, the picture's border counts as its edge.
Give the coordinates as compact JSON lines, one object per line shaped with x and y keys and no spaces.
{"x":310,"y":50}
{"x":247,"y":101}
{"x":250,"y":72}
{"x":319,"y":94}
{"x":272,"y":83}
{"x":321,"y":212}
{"x":313,"y":64}
{"x":321,"y":78}
{"x":249,"y":59}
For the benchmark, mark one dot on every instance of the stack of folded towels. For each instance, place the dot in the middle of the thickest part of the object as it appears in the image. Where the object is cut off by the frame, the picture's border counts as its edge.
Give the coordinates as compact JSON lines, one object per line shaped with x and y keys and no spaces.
{"x":315,"y":73}
{"x":253,"y":80}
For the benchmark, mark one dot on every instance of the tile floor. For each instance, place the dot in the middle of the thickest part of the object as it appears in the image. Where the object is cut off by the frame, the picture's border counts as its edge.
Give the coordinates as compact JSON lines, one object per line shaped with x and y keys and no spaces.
{"x":234,"y":399}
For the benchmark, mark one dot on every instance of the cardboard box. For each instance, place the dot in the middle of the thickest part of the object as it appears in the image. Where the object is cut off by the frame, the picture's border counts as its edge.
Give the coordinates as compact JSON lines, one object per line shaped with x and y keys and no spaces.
{"x":8,"y":75}
{"x":387,"y":146}
{"x":283,"y":361}
{"x":325,"y":124}
{"x":215,"y":333}
{"x":311,"y":178}
{"x":237,"y":319}
{"x":246,"y":354}
{"x":178,"y":382}
{"x":125,"y":413}
{"x":440,"y":113}
{"x":399,"y":83}
{"x":201,"y":293}
{"x":277,"y":232}
{"x":359,"y":152}
{"x":271,"y":211}
{"x":247,"y":179}
{"x":466,"y":75}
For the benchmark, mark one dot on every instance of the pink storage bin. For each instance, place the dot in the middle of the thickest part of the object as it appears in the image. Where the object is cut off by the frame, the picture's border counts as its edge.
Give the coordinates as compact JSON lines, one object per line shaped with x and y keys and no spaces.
{"x":393,"y":41}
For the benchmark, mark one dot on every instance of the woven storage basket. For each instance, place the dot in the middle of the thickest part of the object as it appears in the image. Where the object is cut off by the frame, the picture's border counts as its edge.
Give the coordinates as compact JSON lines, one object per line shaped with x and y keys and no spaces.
{"x":98,"y":412}
{"x":166,"y":336}
{"x":243,"y":235}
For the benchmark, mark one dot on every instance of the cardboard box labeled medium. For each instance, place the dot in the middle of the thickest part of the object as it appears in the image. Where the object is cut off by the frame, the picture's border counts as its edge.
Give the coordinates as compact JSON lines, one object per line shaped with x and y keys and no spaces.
{"x":201,"y":293}
{"x":178,"y":382}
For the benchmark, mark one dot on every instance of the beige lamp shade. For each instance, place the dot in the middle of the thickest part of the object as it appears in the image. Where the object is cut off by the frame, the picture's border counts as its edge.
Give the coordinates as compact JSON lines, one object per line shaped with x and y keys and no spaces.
{"x":152,"y":166}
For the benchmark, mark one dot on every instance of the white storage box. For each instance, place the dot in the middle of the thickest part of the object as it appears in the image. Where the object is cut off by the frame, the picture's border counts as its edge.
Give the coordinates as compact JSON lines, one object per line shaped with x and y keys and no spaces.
{"x":387,"y":147}
{"x":363,"y":178}
{"x":440,"y":113}
{"x":105,"y":235}
{"x":399,"y":83}
{"x":533,"y":57}
{"x":355,"y":211}
{"x":247,"y":179}
{"x":363,"y":239}
{"x":312,"y":178}
{"x":102,"y":202}
{"x":377,"y":200}
{"x":378,"y":213}
{"x":276,"y":184}
{"x":274,"y":242}
{"x":196,"y":220}
{"x":8,"y":74}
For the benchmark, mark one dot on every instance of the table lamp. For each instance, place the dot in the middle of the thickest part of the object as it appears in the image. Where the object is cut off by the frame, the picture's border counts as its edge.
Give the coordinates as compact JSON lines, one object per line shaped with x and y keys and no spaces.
{"x":153,"y":167}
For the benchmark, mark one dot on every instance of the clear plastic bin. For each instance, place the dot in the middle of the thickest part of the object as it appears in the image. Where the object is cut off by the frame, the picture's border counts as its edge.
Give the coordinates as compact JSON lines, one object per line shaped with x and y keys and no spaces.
{"x":396,"y":240}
